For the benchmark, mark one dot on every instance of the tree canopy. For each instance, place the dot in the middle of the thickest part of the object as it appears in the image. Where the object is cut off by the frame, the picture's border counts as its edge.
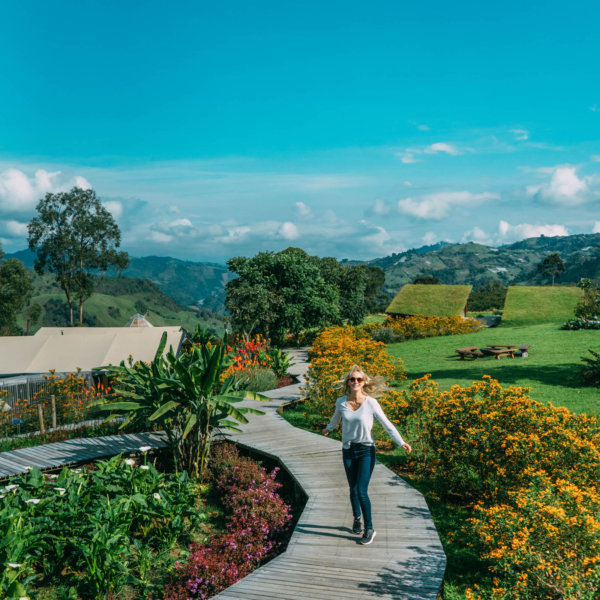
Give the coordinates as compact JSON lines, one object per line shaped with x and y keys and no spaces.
{"x":76,"y":238}
{"x":15,"y":293}
{"x":290,"y":291}
{"x":552,"y":265}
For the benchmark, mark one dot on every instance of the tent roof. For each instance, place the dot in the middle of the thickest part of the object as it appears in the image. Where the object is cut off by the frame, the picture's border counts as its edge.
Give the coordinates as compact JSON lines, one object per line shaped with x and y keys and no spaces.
{"x":438,"y":300}
{"x":65,"y":349}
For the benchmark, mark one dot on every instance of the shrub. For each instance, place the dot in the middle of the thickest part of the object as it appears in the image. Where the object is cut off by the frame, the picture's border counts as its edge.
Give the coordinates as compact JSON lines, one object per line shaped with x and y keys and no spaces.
{"x":576,"y":324}
{"x":544,"y":542}
{"x":256,"y":526}
{"x":255,"y":379}
{"x":398,"y":329}
{"x":590,"y":372}
{"x":334,"y":352}
{"x":484,"y":438}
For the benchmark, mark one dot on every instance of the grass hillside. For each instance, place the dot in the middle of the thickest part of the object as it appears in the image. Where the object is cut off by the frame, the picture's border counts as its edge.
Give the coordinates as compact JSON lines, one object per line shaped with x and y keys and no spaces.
{"x":439,"y":300}
{"x":117,"y":299}
{"x":527,"y":305}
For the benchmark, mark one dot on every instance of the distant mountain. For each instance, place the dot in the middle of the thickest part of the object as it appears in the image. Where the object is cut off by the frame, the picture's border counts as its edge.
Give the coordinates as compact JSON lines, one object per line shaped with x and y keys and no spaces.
{"x":190,"y":283}
{"x":202,"y":284}
{"x":116,"y":300}
{"x":476,"y":264}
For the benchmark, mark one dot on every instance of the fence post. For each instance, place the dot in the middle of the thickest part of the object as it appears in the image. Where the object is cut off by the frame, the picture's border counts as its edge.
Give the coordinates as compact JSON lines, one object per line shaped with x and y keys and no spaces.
{"x":41,"y":417}
{"x":53,"y":401}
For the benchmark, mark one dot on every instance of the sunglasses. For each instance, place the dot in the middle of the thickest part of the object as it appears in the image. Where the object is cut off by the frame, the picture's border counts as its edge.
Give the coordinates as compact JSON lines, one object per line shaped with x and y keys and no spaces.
{"x":355,"y":379}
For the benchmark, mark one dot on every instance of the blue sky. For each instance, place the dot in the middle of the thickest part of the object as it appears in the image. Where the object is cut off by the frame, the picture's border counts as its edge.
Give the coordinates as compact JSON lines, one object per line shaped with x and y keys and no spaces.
{"x":350,"y":129}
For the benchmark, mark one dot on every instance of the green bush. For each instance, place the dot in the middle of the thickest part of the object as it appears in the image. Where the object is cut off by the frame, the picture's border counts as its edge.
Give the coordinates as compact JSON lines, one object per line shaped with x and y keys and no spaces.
{"x":256,"y":379}
{"x":590,"y":372}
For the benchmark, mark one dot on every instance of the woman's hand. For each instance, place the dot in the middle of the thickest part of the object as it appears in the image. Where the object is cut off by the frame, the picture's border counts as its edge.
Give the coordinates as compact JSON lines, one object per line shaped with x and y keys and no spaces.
{"x":325,"y":431}
{"x":407,"y":447}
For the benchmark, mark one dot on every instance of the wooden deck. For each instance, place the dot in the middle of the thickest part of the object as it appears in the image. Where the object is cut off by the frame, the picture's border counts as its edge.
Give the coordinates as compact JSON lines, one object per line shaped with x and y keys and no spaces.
{"x":323,"y":560}
{"x":72,"y":452}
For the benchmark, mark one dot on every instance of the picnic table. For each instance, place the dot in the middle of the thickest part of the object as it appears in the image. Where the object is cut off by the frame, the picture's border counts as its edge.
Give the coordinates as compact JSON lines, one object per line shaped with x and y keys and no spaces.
{"x":496,"y":350}
{"x":499,"y":351}
{"x":472,"y":351}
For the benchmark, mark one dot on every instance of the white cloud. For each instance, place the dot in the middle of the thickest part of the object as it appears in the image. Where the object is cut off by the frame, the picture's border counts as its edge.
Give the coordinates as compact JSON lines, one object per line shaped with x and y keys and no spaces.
{"x":408,"y":184}
{"x":303,"y":210}
{"x":429,"y":238}
{"x":438,"y":206}
{"x":19,"y":193}
{"x":288,"y":231}
{"x":564,"y":188}
{"x":160,"y":237}
{"x":423,"y":127}
{"x":376,"y":240}
{"x":442,"y":147}
{"x":520,"y":134}
{"x":407,"y":158}
{"x":15,"y":228}
{"x":181,"y":223}
{"x":114,"y":207}
{"x":513,"y":233}
{"x":477,"y":235}
{"x":595,"y":158}
{"x":380,"y":208}
{"x":173,"y":209}
{"x":596,"y":227}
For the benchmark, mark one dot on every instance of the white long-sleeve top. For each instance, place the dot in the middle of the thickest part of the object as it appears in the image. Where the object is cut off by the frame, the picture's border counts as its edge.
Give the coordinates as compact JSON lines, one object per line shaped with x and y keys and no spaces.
{"x":357,"y":424}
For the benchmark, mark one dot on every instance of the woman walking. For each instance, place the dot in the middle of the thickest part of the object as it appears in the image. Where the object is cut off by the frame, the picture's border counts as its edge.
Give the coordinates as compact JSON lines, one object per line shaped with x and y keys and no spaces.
{"x":356,"y":410}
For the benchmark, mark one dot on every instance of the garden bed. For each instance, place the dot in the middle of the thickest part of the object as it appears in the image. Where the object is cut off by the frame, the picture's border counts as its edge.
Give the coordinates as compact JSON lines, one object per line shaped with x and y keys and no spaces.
{"x":128,"y":528}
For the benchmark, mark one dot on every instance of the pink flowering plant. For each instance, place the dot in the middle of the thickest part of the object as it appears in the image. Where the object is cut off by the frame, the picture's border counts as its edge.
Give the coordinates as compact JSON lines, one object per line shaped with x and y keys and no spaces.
{"x":256,"y":528}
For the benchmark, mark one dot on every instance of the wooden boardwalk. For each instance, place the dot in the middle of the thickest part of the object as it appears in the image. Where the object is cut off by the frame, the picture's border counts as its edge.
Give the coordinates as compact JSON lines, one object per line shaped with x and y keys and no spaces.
{"x":72,"y":452}
{"x":323,"y":559}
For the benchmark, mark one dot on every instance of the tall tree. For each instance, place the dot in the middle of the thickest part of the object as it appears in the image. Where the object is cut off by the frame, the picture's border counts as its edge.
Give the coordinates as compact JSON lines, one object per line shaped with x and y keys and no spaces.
{"x":15,"y":293}
{"x":75,"y":238}
{"x":278,"y":293}
{"x":552,"y":265}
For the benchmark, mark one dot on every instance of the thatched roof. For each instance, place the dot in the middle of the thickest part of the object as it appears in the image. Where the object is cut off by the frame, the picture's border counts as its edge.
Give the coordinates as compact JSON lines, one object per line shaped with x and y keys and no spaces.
{"x":438,"y":300}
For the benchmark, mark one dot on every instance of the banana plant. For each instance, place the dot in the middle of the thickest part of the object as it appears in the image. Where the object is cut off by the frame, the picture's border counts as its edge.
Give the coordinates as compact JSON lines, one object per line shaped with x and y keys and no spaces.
{"x":182,"y":395}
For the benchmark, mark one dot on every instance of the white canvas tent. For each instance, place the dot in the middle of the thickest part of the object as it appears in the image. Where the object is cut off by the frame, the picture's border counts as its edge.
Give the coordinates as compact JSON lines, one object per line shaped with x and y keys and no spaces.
{"x":66,"y":349}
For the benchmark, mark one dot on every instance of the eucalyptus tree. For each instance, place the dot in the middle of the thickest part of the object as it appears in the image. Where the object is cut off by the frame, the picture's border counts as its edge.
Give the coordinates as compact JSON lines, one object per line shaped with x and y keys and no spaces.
{"x":75,"y":237}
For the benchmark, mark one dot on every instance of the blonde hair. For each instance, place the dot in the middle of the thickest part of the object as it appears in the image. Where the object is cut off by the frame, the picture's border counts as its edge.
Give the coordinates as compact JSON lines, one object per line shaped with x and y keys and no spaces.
{"x":374,"y":386}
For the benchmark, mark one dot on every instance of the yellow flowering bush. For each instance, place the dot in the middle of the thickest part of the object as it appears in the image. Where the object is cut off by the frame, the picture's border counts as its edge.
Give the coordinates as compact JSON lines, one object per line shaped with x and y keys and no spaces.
{"x":334,"y":352}
{"x":484,"y":438}
{"x":415,"y":327}
{"x":544,"y":543}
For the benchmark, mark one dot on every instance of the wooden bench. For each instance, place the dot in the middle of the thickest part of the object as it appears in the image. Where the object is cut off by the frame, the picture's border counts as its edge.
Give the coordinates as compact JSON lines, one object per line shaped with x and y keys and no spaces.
{"x":473,"y":352}
{"x":498,"y":352}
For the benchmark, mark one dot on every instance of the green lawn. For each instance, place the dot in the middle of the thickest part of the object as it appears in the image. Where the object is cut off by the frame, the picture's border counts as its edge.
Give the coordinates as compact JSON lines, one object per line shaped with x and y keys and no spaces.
{"x":551,"y":369}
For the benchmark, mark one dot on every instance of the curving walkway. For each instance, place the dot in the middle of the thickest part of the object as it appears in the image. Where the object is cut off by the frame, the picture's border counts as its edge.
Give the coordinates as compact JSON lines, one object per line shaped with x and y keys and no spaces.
{"x":323,"y":559}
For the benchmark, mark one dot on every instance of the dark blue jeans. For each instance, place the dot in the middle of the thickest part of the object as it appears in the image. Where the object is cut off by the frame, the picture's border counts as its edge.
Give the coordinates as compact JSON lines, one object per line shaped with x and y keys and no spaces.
{"x":359,"y":462}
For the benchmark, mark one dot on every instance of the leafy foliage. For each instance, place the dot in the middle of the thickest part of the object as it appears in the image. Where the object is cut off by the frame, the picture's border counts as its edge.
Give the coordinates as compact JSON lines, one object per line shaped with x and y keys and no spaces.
{"x":86,"y":530}
{"x":590,"y":371}
{"x":488,"y":297}
{"x":15,"y":293}
{"x":74,"y":237}
{"x":553,"y":265}
{"x":276,"y":294}
{"x":182,"y":395}
{"x":257,"y":523}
